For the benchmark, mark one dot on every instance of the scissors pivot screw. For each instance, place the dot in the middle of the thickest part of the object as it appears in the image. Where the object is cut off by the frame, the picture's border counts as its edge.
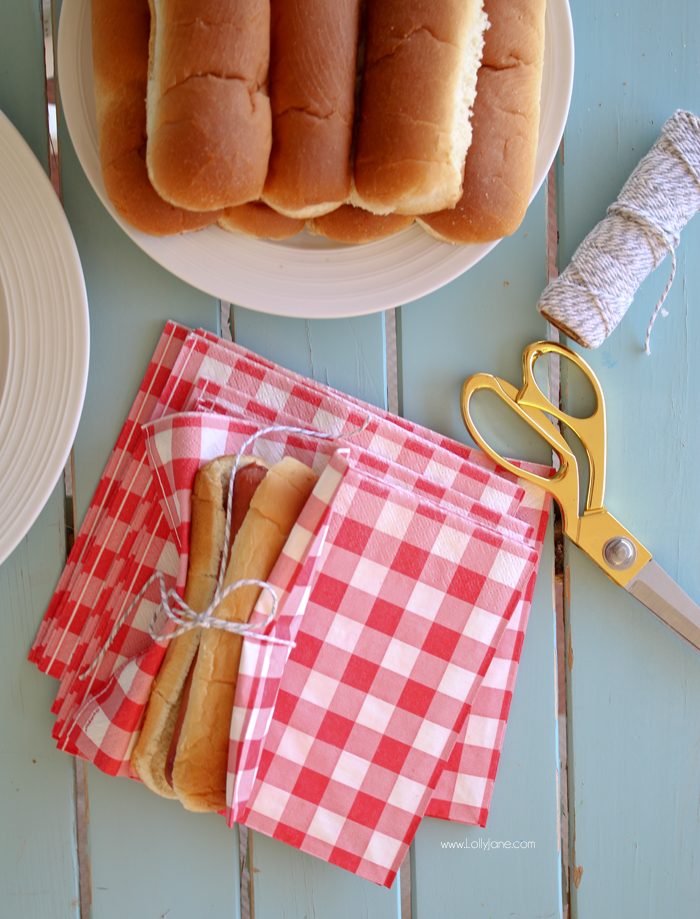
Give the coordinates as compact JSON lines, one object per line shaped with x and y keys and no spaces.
{"x":619,"y":553}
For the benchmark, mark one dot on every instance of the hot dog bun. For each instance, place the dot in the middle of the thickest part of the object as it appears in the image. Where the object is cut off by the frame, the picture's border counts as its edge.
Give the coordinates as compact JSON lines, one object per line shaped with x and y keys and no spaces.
{"x":200,"y":767}
{"x":499,"y":169}
{"x":120,"y":33}
{"x":209,"y":496}
{"x":209,"y":122}
{"x":257,"y":219}
{"x":418,"y":86}
{"x":350,"y":224}
{"x":312,"y":91}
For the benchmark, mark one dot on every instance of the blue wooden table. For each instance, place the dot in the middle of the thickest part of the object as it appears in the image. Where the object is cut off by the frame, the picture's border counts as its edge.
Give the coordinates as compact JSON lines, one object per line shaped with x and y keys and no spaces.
{"x":601,"y":765}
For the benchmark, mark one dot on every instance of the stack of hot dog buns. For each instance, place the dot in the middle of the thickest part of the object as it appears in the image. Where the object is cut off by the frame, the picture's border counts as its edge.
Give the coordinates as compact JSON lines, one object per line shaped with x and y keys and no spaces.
{"x":182,"y":750}
{"x":348,"y":117}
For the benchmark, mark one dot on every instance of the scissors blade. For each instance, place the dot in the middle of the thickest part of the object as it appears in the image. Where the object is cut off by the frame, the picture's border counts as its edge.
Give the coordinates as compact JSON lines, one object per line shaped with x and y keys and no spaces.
{"x":660,"y":593}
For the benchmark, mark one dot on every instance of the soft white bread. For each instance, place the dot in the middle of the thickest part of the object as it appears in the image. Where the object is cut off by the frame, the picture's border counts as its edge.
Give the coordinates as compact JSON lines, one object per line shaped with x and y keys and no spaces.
{"x":418,"y":86}
{"x":312,"y":91}
{"x":257,"y":219}
{"x":149,"y":759}
{"x":350,"y":224}
{"x":499,"y":169}
{"x":120,"y":34}
{"x":199,"y":770}
{"x":209,"y":122}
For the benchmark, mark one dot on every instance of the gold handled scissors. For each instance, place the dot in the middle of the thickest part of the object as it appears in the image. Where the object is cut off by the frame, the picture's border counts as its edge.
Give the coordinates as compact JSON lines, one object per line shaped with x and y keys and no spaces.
{"x":611,"y":546}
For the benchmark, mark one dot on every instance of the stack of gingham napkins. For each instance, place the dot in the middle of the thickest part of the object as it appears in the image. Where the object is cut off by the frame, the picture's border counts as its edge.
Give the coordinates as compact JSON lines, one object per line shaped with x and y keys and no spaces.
{"x":403,"y":596}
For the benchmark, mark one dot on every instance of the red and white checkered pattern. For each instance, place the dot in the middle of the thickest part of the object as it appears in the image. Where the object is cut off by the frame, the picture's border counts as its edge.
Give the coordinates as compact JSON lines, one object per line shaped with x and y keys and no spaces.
{"x":467,"y":471}
{"x":466,"y":785}
{"x":388,"y":497}
{"x":227,"y":399}
{"x":108,"y":521}
{"x":100,"y":715}
{"x":407,"y":608}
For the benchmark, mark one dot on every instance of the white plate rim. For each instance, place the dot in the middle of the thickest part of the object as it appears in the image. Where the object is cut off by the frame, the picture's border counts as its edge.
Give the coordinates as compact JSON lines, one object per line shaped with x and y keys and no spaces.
{"x":306,"y":278}
{"x":44,"y":302}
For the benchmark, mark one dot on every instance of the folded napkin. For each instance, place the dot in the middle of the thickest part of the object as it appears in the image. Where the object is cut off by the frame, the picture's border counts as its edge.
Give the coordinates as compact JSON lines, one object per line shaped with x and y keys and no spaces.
{"x":405,"y":586}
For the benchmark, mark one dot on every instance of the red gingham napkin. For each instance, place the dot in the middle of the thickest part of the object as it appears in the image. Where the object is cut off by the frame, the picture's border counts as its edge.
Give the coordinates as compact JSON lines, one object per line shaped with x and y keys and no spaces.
{"x":109,"y":521}
{"x":137,"y":524}
{"x":407,"y":607}
{"x":464,"y":790}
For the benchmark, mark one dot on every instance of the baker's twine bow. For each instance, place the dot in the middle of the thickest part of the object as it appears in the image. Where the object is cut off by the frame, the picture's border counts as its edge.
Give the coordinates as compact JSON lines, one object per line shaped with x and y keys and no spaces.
{"x":175,"y":607}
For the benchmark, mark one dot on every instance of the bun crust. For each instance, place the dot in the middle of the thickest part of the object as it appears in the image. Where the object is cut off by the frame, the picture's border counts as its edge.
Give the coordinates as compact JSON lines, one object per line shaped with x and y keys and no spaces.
{"x":418,"y":86}
{"x":312,"y":91}
{"x":350,"y":224}
{"x":257,"y":219}
{"x":209,"y":495}
{"x":120,"y":34}
{"x":209,"y":122}
{"x":210,"y":154}
{"x":500,"y":165}
{"x":199,"y":771}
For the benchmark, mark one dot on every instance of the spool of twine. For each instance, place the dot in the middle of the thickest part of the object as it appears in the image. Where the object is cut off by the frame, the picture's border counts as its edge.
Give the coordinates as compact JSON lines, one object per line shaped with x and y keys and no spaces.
{"x":642,"y":227}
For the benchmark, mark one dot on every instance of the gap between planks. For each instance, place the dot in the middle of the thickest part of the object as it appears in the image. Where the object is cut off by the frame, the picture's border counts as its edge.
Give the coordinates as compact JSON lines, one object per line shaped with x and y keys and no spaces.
{"x":227,"y":330}
{"x":81,"y":801}
{"x":560,"y":595}
{"x":392,"y":372}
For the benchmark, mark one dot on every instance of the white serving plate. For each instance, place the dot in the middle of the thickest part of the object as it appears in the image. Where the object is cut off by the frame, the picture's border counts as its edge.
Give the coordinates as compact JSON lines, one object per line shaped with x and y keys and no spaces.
{"x":305,"y":276}
{"x":44,"y":338}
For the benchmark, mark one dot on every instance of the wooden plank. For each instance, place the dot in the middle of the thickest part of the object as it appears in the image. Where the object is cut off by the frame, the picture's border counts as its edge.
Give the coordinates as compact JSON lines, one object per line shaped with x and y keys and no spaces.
{"x":149,"y":857}
{"x":289,"y":884}
{"x":346,"y":354}
{"x":349,"y":355}
{"x":37,"y":871}
{"x":22,"y":84}
{"x":636,"y":739}
{"x":482,"y":321}
{"x":152,"y":858}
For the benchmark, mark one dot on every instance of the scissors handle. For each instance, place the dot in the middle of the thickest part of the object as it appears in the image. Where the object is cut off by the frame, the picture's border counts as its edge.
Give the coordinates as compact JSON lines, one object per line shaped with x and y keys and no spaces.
{"x":590,"y":430}
{"x":534,"y":407}
{"x":564,"y":484}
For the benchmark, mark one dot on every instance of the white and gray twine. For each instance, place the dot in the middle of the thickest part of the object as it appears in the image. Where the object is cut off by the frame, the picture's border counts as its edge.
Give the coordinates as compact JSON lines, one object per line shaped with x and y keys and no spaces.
{"x":590,"y":297}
